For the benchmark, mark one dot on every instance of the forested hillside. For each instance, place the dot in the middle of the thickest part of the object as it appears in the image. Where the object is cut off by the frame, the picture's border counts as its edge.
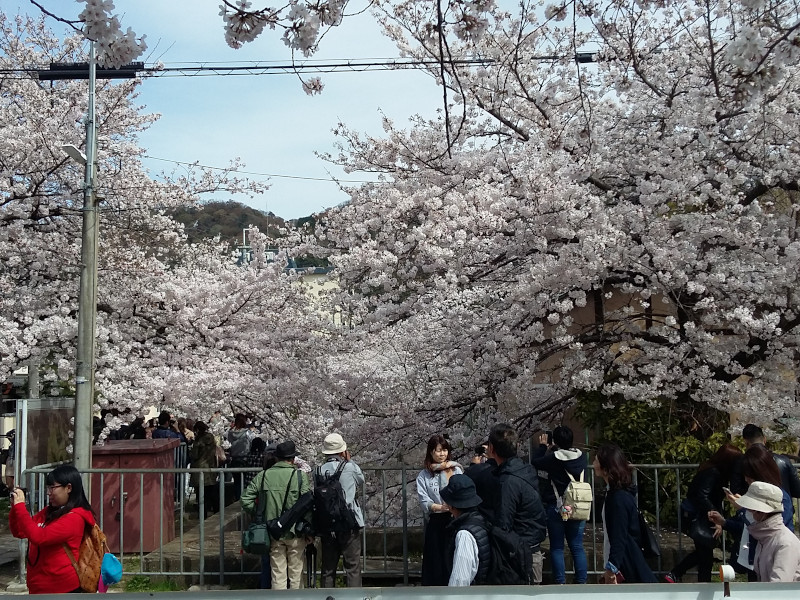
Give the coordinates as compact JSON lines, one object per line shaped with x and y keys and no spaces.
{"x":227,"y":220}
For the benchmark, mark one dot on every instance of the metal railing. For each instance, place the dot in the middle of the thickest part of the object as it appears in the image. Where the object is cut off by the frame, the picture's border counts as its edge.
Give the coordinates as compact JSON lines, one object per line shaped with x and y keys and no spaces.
{"x":170,"y":542}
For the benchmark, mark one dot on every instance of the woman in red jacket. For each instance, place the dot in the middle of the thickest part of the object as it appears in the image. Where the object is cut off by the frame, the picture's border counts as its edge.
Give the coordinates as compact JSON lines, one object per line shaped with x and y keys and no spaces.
{"x":52,"y":531}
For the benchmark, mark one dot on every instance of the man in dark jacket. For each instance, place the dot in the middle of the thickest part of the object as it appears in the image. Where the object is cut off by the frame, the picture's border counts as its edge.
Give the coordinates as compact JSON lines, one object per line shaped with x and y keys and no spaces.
{"x":517,"y":504}
{"x":752,"y":435}
{"x":555,"y":464}
{"x":468,"y":552}
{"x":482,"y":475}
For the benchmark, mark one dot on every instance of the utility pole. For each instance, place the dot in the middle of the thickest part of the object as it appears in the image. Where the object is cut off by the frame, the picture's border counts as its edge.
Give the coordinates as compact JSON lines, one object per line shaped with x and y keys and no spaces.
{"x":87,"y":300}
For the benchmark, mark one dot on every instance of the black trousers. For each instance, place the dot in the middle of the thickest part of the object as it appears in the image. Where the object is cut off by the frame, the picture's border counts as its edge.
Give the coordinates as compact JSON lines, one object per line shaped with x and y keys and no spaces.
{"x":434,"y":562}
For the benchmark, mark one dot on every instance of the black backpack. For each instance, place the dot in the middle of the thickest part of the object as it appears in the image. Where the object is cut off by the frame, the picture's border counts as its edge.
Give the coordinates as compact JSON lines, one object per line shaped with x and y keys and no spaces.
{"x":511,"y":560}
{"x":331,"y":513}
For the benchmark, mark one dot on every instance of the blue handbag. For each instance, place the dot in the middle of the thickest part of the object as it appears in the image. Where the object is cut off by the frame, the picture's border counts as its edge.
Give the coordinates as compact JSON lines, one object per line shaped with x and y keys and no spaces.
{"x":110,"y":569}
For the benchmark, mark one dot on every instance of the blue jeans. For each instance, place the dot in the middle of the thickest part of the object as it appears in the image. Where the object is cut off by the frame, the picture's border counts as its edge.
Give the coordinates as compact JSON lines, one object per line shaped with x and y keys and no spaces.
{"x":572,"y":531}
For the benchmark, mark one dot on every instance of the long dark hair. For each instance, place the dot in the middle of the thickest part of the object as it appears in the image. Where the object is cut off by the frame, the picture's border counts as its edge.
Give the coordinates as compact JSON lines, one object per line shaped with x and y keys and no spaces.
{"x":724,"y":459}
{"x":613,"y":461}
{"x":66,"y":475}
{"x":436,"y":440}
{"x":759,"y":465}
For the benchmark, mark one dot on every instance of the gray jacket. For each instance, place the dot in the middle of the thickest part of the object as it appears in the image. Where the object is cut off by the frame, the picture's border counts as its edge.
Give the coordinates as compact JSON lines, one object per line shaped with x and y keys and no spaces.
{"x":350,"y":479}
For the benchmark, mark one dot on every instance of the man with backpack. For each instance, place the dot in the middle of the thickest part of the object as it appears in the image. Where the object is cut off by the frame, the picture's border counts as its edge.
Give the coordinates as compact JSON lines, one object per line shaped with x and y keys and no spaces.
{"x":561,"y":471}
{"x":338,"y":519}
{"x":518,"y":506}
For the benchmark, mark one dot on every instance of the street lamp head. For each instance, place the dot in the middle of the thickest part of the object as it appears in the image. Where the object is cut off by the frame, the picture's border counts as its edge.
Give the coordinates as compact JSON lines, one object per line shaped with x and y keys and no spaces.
{"x":74,"y":153}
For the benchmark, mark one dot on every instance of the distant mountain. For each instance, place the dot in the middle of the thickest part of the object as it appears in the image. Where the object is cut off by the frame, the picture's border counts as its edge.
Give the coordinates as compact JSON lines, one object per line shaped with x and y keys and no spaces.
{"x":227,"y":220}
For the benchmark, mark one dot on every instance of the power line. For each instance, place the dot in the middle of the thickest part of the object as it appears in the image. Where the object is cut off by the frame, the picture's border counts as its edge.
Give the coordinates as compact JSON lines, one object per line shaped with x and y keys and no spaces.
{"x":206,"y":69}
{"x":239,"y":171}
{"x":356,"y":66}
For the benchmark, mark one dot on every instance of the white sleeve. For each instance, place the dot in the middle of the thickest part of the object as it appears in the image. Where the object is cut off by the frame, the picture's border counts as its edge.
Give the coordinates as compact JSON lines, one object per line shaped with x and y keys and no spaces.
{"x":465,"y":560}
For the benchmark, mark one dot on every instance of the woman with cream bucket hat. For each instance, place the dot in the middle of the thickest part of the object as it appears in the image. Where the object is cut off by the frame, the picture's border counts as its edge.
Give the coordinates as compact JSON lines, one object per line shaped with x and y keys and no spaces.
{"x":778,"y":552}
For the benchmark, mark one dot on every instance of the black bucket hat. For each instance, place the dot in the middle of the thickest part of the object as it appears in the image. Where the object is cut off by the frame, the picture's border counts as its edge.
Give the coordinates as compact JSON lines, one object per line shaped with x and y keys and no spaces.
{"x":460,"y":492}
{"x":285,"y":450}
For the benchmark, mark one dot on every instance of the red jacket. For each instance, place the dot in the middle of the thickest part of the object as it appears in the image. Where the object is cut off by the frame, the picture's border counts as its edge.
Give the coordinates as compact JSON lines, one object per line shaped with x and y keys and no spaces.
{"x":50,"y":570}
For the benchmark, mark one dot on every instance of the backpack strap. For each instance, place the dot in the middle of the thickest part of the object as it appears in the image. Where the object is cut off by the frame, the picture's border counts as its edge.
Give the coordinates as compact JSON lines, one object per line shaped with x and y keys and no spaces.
{"x":571,"y":478}
{"x":338,"y":473}
{"x":288,"y":487}
{"x":559,"y":497}
{"x":69,"y":553}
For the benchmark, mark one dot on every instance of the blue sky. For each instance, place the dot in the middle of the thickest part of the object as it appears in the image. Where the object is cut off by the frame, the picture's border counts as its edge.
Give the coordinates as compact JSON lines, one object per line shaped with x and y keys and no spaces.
{"x":266,"y":120}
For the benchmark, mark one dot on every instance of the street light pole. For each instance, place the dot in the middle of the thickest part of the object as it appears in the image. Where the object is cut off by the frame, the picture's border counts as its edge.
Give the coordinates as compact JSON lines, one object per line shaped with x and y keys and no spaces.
{"x":87,"y":301}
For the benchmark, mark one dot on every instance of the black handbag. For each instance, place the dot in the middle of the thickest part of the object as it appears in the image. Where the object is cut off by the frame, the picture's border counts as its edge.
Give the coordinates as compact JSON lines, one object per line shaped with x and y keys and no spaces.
{"x":290,"y":516}
{"x":702,"y":534}
{"x":648,"y":539}
{"x":255,"y":539}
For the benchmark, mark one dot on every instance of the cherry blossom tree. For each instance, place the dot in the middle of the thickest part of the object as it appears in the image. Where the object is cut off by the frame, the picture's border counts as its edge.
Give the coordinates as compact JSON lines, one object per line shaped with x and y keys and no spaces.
{"x":178,"y":325}
{"x":627,"y":226}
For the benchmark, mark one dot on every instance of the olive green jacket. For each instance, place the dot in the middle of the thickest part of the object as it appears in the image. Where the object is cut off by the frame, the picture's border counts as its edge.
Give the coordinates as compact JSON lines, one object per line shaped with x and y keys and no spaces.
{"x":274,"y":482}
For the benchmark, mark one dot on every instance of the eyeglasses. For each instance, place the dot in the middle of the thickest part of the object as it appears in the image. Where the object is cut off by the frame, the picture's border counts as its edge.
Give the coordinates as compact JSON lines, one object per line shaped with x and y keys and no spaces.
{"x":50,"y":488}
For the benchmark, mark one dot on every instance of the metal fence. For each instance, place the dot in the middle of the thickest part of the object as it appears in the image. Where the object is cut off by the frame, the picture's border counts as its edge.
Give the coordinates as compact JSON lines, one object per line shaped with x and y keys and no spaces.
{"x":205,"y":550}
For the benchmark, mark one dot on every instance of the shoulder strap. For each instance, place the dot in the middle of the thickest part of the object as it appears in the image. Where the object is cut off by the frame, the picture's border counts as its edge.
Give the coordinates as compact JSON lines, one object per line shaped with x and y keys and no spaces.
{"x":69,"y":553}
{"x":339,"y":469}
{"x":571,"y":478}
{"x":288,"y":487}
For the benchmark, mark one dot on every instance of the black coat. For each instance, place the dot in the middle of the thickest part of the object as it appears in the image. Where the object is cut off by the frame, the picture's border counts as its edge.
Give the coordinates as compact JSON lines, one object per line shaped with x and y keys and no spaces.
{"x":517,"y":504}
{"x":482,"y":474}
{"x":621,"y":522}
{"x":705,"y":490}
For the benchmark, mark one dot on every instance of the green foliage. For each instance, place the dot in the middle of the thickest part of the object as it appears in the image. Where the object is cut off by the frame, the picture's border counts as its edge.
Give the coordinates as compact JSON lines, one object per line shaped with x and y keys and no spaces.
{"x":142,"y":583}
{"x":659,"y":432}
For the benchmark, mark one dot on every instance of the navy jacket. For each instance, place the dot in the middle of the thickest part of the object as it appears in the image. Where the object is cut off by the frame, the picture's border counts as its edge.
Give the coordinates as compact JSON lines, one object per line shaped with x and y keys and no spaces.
{"x":621,"y":522}
{"x":517,"y":504}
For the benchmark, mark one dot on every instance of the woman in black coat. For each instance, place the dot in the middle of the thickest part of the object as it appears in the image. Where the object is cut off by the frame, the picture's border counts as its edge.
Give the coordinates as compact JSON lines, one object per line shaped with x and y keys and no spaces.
{"x":704,"y":495}
{"x":622,"y":551}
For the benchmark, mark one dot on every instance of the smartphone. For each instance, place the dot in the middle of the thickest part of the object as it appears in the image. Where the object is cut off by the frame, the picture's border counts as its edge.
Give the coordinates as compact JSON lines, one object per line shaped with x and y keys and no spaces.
{"x":727,"y":491}
{"x":549,"y":437}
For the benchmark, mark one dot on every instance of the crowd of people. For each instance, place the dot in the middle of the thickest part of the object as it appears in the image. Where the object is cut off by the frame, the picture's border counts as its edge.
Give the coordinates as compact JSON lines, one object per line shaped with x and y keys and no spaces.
{"x":499,"y":490}
{"x":477,"y":520}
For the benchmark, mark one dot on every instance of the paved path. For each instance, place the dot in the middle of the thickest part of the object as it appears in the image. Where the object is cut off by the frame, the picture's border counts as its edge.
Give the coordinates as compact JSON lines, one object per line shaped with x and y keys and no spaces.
{"x":9,"y":549}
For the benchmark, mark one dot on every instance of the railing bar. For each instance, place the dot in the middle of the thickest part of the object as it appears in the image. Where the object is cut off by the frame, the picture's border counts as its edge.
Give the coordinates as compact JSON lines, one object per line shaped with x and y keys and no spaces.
{"x":141,"y":521}
{"x":405,"y":524}
{"x":201,"y":488}
{"x":384,"y":500}
{"x":221,"y":478}
{"x":163,"y":498}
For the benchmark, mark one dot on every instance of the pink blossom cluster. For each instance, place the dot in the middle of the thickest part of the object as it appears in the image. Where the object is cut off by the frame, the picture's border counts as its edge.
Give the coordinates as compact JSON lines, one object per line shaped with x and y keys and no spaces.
{"x":114,"y":48}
